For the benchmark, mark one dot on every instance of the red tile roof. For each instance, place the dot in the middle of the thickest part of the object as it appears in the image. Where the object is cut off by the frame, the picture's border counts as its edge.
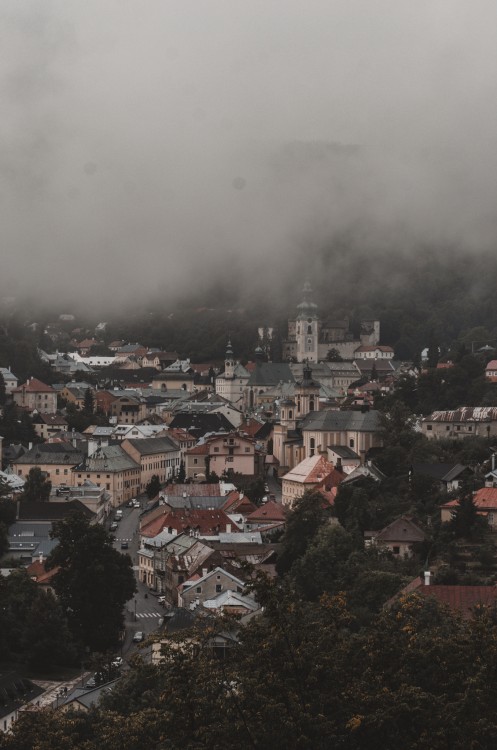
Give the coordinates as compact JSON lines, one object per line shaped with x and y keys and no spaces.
{"x":196,"y":490}
{"x":484,"y":499}
{"x":33,"y":385}
{"x":206,"y":522}
{"x":461,"y":599}
{"x":271,"y":511}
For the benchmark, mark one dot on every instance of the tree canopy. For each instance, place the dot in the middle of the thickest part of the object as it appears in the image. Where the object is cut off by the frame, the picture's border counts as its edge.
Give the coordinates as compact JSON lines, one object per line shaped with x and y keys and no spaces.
{"x":93,"y":583}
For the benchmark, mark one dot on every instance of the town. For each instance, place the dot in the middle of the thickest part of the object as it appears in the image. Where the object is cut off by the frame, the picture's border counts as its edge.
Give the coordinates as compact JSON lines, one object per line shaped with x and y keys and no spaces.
{"x":150,"y":503}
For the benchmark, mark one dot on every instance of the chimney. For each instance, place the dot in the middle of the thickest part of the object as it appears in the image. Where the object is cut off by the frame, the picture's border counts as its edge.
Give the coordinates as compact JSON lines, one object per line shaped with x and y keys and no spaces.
{"x":30,"y":445}
{"x":228,"y":528}
{"x":204,"y":572}
{"x":40,"y":558}
{"x":427,"y":577}
{"x":493,"y":461}
{"x":338,"y":465}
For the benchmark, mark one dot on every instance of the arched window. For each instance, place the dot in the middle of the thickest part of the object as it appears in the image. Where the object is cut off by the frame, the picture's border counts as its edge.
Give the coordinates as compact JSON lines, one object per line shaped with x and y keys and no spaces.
{"x":312,"y":446}
{"x":290,"y":414}
{"x":311,"y":404}
{"x":309,"y":329}
{"x":351,"y":442}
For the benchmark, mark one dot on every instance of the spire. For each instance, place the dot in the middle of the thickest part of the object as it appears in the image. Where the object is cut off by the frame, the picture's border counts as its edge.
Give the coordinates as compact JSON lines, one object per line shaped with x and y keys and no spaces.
{"x":229,"y":350}
{"x":307,"y":309}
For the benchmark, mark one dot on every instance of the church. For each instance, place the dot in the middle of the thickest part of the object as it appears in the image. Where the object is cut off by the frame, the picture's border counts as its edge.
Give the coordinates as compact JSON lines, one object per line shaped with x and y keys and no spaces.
{"x":310,"y":340}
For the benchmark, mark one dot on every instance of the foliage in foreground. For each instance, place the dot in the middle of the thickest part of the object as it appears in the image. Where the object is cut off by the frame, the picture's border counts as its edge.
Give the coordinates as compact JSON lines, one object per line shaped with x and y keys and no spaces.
{"x":302,"y":676}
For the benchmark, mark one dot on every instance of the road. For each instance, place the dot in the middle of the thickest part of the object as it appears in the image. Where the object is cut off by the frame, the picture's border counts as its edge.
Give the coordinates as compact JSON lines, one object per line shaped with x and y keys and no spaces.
{"x":143,"y":612}
{"x":274,"y":487}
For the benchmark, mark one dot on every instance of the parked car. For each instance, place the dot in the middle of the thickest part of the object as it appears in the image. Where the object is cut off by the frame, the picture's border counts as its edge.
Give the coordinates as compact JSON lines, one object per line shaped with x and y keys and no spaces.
{"x":124,"y":545}
{"x":118,"y":662}
{"x":119,"y":515}
{"x":138,"y":637}
{"x":161,"y":599}
{"x":130,"y":504}
{"x":136,"y":504}
{"x":113,"y":526}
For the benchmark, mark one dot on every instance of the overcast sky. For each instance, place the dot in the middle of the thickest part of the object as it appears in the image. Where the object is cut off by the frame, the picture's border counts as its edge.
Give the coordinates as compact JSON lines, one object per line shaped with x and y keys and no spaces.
{"x":144,"y":144}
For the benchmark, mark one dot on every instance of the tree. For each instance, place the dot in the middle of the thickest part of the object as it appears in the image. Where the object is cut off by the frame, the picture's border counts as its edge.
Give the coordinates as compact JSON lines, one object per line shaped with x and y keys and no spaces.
{"x":94,"y":582}
{"x":37,"y":487}
{"x":304,"y":520}
{"x":88,"y":404}
{"x":181,"y":472}
{"x":466,"y":521}
{"x":333,"y":355}
{"x":153,"y":487}
{"x":47,"y":640}
{"x":2,"y":390}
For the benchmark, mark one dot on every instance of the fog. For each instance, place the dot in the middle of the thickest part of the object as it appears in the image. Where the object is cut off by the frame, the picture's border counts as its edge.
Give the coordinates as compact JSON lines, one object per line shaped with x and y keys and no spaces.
{"x":153,"y":147}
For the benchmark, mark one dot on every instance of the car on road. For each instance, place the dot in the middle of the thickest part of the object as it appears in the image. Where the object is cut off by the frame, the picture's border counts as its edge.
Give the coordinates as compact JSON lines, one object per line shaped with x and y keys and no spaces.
{"x":136,"y":504}
{"x":131,"y":503}
{"x":113,"y":526}
{"x":118,"y":662}
{"x":161,"y":599}
{"x":124,"y":545}
{"x":266,"y":488}
{"x":138,"y":637}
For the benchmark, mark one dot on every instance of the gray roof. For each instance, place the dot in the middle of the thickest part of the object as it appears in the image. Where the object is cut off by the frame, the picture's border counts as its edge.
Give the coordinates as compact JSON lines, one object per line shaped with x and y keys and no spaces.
{"x":151,"y":446}
{"x":51,"y":453}
{"x":108,"y":458}
{"x":343,"y":451}
{"x":271,"y":373}
{"x":339,"y":421}
{"x":203,"y":502}
{"x":31,"y":537}
{"x":89,"y":697}
{"x":443,"y":472}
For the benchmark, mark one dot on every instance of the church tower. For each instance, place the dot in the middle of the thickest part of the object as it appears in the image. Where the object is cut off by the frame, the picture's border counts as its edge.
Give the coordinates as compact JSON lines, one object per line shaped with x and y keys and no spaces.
{"x":229,"y":362}
{"x":307,"y":327}
{"x":307,"y":393}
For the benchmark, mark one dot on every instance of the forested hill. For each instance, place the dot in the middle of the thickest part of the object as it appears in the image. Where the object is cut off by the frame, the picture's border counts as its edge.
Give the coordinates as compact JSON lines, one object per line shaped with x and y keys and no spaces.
{"x":421,"y":296}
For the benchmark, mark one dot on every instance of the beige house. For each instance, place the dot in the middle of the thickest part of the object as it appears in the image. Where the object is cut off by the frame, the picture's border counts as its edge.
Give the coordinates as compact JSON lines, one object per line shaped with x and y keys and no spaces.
{"x":160,"y":456}
{"x":307,"y":475}
{"x":464,"y":422}
{"x":359,"y":430}
{"x":112,"y":468}
{"x":224,"y":454}
{"x":398,"y":537}
{"x":56,"y":461}
{"x":47,"y":425}
{"x":35,"y":395}
{"x":485,"y":500}
{"x":128,"y":410}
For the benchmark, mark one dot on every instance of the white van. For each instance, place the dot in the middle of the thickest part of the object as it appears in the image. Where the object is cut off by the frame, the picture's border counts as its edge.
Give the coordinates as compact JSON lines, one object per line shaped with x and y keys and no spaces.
{"x":119,"y":514}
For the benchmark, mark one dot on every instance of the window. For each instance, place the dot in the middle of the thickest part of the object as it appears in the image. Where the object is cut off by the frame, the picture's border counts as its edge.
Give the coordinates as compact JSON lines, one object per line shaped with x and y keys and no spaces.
{"x":229,"y":459}
{"x":396,"y":550}
{"x":351,"y":443}
{"x":290,"y":414}
{"x":195,"y":461}
{"x":429,"y":427}
{"x":216,"y":450}
{"x":198,"y":590}
{"x":458,"y":428}
{"x":219,"y":588}
{"x":247,"y":450}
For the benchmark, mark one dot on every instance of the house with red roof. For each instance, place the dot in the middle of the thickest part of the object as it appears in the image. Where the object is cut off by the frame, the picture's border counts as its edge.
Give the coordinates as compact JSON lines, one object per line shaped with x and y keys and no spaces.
{"x":311,"y":473}
{"x":491,"y":371}
{"x":464,"y":601}
{"x":485,"y":500}
{"x":33,"y":395}
{"x":198,"y":522}
{"x":267,"y":515}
